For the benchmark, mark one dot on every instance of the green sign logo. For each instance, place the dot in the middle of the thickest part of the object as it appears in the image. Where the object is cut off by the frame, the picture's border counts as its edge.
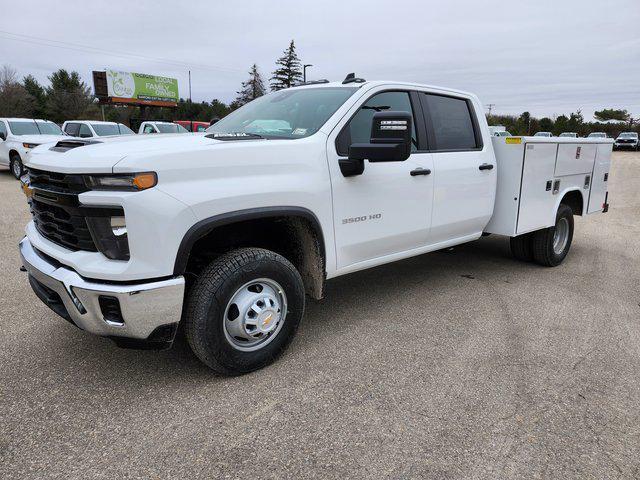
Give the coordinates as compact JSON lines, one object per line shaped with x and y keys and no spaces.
{"x":141,"y":86}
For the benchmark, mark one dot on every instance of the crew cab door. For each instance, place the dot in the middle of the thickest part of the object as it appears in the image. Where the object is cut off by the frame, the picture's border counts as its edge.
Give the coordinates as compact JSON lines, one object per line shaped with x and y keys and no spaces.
{"x":386,"y":209}
{"x":465,"y":169}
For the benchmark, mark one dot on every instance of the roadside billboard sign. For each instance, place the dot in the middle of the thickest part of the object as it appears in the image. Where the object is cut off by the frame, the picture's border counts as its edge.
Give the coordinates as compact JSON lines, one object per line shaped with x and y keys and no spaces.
{"x":137,"y":88}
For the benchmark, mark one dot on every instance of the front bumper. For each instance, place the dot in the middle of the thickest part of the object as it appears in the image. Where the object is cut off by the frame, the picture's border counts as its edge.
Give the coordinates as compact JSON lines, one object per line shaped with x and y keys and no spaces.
{"x":632,"y":146}
{"x":142,"y":315}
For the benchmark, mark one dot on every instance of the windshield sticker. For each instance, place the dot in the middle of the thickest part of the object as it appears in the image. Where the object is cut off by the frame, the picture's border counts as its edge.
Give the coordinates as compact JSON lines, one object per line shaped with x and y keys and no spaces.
{"x":299,"y":131}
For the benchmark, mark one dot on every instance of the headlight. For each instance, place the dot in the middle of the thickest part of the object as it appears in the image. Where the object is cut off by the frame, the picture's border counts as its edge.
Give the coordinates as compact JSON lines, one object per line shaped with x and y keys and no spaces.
{"x":30,"y":145}
{"x":127,"y":181}
{"x":109,"y":233}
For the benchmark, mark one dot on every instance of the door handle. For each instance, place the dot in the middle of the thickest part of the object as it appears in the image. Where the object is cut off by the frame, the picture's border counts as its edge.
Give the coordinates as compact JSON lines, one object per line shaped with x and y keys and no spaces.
{"x":420,"y":171}
{"x":486,"y":166}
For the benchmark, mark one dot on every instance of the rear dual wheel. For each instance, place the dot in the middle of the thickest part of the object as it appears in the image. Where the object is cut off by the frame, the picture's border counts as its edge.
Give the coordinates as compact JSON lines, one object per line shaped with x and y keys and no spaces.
{"x":549,"y":246}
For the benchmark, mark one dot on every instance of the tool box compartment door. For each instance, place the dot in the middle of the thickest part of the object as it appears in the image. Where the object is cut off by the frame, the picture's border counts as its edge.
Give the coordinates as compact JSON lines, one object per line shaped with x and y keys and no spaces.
{"x":574,"y":159}
{"x":600,"y":178}
{"x":536,"y":195}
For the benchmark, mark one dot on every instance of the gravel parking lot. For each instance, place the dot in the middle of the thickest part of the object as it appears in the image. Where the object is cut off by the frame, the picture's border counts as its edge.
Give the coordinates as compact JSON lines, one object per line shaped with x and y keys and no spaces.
{"x":458,"y":364}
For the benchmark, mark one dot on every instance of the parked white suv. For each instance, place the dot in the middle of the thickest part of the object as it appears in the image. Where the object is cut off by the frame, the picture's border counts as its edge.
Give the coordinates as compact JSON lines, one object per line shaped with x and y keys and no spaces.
{"x":226,"y":232}
{"x":161,"y":127}
{"x":94,"y":128}
{"x":627,"y":140}
{"x":19,"y":135}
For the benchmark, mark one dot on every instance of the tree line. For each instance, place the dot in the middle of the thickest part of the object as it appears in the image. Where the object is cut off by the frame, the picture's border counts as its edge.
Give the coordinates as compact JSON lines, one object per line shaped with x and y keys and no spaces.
{"x":525,"y":124}
{"x":67,"y":97}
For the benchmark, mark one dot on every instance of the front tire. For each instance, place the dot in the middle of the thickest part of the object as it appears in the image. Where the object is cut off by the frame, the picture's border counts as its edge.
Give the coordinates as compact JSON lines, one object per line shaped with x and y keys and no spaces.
{"x":551,"y":245}
{"x":243,"y":310}
{"x":15,"y":165}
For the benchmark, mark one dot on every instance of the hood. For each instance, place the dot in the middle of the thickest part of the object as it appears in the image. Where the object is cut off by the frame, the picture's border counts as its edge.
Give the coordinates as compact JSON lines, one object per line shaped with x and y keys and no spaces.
{"x":40,"y":139}
{"x":100,"y":155}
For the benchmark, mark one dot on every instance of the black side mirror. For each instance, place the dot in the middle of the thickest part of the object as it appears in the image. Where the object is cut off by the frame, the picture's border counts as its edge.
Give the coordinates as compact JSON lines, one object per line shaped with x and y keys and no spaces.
{"x":390,"y":139}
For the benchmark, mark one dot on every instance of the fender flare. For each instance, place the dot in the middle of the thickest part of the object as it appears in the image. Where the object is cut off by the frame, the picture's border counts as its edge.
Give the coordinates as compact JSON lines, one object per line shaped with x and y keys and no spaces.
{"x":207,"y":225}
{"x":561,"y":197}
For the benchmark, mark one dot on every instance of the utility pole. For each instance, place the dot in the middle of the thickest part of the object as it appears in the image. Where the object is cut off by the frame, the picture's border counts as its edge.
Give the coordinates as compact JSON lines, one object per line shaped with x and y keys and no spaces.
{"x":189,"y":86}
{"x":304,"y":72}
{"x":490,"y":107}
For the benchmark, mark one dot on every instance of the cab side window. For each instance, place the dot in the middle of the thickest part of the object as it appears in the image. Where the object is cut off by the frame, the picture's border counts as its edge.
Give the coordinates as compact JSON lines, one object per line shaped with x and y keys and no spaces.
{"x":85,"y":132}
{"x":358,"y":130}
{"x":72,"y":129}
{"x":148,"y":129}
{"x":3,"y":130}
{"x":451,"y":123}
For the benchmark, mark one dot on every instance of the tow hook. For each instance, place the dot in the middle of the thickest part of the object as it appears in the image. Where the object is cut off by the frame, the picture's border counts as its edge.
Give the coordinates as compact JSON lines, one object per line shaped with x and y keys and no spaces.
{"x":22,"y":269}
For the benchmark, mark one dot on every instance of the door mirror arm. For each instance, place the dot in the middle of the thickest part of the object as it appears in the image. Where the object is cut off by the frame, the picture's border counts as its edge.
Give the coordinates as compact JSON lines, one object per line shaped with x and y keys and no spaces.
{"x":351,"y":167}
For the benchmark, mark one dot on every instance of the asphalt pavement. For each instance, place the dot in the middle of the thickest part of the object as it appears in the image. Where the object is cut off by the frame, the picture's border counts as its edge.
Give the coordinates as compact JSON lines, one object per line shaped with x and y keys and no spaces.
{"x":462,"y":363}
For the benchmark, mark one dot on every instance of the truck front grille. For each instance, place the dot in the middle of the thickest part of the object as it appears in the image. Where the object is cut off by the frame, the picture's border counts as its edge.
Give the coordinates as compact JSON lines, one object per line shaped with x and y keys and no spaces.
{"x":62,"y":226}
{"x":57,"y":182}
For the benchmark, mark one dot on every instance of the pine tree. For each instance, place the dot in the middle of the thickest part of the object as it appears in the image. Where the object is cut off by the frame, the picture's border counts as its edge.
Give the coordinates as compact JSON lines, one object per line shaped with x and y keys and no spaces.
{"x":33,"y":87}
{"x":251,"y":89}
{"x":68,"y":97}
{"x":289,"y":71}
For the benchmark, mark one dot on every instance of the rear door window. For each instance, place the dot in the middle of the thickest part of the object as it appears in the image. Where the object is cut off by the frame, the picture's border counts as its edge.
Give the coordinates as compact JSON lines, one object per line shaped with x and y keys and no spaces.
{"x":450,"y":122}
{"x":85,"y":131}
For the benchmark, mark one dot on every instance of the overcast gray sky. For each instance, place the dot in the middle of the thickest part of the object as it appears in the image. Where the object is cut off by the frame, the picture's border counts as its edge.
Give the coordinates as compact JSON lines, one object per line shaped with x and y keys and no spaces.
{"x":548,"y":57}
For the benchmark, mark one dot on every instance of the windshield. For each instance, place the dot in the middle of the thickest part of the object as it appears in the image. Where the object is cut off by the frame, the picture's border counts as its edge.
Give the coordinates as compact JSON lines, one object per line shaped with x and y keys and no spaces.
{"x":48,"y":128}
{"x":171,"y":128}
{"x":30,"y":128}
{"x":597,"y":135}
{"x":288,"y":114}
{"x":106,"y":129}
{"x":542,"y":134}
{"x":628,"y":135}
{"x":568,"y":135}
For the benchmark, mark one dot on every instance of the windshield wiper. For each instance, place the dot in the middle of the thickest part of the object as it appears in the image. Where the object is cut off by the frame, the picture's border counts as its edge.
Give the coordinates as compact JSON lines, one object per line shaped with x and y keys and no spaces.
{"x":234,"y":136}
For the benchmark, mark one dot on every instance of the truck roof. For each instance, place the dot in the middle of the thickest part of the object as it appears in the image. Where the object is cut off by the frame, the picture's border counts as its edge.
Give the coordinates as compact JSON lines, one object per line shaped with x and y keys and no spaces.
{"x":98,"y":122}
{"x":13,"y":119}
{"x":376,"y":83}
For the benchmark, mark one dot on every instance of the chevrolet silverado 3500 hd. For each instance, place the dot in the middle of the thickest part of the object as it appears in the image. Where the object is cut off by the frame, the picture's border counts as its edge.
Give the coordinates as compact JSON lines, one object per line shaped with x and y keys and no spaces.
{"x":226,"y":231}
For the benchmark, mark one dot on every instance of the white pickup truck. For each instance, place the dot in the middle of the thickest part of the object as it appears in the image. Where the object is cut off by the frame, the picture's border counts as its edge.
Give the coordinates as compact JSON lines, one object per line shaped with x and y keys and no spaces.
{"x":19,"y":135}
{"x":227,"y":231}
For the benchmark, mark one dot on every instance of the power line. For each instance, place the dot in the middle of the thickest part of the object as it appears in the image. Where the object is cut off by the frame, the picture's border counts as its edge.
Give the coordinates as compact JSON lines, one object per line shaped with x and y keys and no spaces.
{"x":89,"y":49}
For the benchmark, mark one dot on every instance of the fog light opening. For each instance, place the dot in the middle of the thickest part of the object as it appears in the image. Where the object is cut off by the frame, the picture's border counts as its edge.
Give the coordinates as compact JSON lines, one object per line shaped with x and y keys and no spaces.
{"x":110,"y":308}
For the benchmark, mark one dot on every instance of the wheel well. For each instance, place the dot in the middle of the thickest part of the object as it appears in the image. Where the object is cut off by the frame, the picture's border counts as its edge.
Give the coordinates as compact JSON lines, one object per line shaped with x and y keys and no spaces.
{"x":12,"y":153}
{"x":573,"y":200}
{"x":294,"y":237}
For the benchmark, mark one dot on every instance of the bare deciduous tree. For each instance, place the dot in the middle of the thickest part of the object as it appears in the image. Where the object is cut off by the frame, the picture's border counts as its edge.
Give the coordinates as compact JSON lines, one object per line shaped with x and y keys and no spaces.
{"x":15,"y":101}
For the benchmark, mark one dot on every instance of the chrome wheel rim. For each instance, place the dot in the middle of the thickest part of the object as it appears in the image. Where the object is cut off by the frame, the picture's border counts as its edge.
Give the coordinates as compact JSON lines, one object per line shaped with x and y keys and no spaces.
{"x":16,"y":169}
{"x":255,"y":314}
{"x":560,"y":236}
